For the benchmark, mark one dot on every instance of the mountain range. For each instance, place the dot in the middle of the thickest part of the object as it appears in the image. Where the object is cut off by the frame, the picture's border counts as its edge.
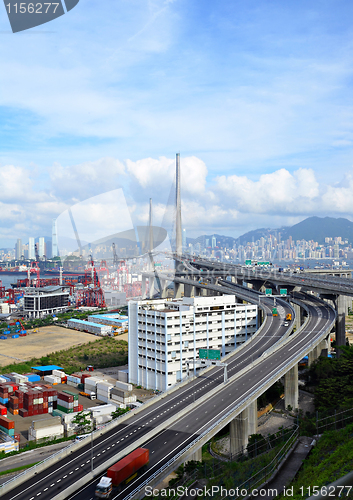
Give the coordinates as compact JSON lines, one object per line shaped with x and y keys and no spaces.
{"x":312,"y":228}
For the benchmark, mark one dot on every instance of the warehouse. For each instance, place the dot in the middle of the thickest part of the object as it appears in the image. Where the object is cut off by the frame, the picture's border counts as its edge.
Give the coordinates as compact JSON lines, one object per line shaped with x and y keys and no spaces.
{"x":88,"y":326}
{"x":45,"y":300}
{"x":110,"y":319}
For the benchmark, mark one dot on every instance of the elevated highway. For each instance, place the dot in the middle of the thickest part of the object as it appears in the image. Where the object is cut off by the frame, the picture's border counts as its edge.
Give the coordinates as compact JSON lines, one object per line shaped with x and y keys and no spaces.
{"x":177,"y":424}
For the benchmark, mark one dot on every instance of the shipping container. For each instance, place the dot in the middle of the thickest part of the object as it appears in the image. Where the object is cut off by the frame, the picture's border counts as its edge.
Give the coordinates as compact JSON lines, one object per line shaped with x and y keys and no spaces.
{"x":128,"y":466}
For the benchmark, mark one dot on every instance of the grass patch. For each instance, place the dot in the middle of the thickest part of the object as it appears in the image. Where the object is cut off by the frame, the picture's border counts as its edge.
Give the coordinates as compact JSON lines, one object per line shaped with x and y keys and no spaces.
{"x":32,"y":445}
{"x":103,"y":353}
{"x":329,"y":460}
{"x":16,"y":469}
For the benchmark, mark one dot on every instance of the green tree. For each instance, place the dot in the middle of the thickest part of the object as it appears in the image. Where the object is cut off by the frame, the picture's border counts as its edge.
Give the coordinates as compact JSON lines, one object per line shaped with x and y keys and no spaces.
{"x":83,"y":422}
{"x":119,"y":412}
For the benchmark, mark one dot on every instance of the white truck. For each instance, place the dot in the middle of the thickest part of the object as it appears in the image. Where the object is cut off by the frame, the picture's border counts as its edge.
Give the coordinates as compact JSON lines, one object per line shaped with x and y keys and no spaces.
{"x":104,"y":488}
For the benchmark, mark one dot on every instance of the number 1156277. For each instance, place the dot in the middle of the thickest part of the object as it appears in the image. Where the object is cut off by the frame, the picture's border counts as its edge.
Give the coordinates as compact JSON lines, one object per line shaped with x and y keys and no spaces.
{"x":32,"y":8}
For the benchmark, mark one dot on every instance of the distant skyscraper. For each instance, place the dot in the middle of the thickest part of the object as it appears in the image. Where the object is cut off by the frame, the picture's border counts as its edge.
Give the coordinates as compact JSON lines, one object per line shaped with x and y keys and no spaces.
{"x":41,"y":247}
{"x":31,"y":251}
{"x":214,"y":241}
{"x":18,"y":249}
{"x":54,"y":240}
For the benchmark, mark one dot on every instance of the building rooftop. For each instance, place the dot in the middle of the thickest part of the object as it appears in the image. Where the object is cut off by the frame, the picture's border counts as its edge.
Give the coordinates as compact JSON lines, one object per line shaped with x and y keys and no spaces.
{"x":46,"y":368}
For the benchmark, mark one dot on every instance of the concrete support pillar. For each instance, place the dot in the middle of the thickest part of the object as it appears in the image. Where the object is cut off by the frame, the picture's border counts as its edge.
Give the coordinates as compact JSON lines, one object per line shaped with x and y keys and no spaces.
{"x":151,"y":291}
{"x":341,"y":320}
{"x":241,"y":427}
{"x":177,"y":290}
{"x":324,"y":348}
{"x":291,"y":390}
{"x":189,"y":291}
{"x":163,"y":290}
{"x":252,"y":418}
{"x":196,"y":456}
{"x":313,"y":355}
{"x":143,"y":287}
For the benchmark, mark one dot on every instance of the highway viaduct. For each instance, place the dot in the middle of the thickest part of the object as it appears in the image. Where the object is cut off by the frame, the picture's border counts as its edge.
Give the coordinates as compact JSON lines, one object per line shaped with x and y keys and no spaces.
{"x":175,"y":425}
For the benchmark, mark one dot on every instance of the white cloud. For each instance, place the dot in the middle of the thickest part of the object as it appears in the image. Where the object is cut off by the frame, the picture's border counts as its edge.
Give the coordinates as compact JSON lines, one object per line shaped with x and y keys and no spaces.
{"x":278,"y":192}
{"x":86,"y":179}
{"x":228,"y":204}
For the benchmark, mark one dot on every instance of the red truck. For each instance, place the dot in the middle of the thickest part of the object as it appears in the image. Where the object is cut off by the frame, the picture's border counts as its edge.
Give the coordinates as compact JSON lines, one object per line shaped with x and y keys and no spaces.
{"x":122,"y":472}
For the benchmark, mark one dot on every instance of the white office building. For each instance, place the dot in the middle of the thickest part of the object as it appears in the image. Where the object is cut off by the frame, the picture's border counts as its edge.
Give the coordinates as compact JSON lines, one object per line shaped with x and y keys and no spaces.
{"x":164,"y":334}
{"x":41,"y":246}
{"x":31,"y":249}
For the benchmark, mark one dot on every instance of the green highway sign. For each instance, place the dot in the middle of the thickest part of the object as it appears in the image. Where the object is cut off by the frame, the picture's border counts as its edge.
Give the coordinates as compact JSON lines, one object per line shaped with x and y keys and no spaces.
{"x":283,"y":291}
{"x":209,"y":354}
{"x":248,"y":262}
{"x":268,"y":291}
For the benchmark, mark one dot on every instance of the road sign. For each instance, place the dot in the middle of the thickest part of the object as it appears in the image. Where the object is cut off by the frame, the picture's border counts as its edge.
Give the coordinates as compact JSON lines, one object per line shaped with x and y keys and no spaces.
{"x":283,"y":291}
{"x":209,"y":354}
{"x":268,"y":291}
{"x":248,"y":262}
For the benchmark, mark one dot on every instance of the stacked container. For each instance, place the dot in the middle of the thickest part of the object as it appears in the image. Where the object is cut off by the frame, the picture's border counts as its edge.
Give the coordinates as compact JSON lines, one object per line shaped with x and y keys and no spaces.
{"x":119,"y":396}
{"x":90,"y":384}
{"x":46,"y":429}
{"x":102,"y":414}
{"x":17,"y":378}
{"x":7,"y":426}
{"x":73,"y":380}
{"x":3,"y":411}
{"x":13,"y":405}
{"x":51,"y":379}
{"x":32,"y":377}
{"x":103,"y":391}
{"x":36,"y":400}
{"x":123,"y":385}
{"x":68,"y":402}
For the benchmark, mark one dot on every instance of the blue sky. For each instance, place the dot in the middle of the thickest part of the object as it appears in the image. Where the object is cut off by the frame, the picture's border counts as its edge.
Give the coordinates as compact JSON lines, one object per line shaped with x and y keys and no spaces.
{"x":256,"y":96}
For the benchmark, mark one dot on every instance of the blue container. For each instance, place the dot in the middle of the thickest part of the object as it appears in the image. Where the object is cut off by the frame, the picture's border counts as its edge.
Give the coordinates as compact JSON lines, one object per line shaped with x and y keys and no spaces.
{"x":33,"y":377}
{"x":15,"y":336}
{"x":3,"y":337}
{"x":7,"y":378}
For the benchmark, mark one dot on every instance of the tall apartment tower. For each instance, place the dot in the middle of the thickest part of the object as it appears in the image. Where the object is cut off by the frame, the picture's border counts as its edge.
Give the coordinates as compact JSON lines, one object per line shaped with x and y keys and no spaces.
{"x":54,"y":240}
{"x":41,"y":246}
{"x":18,"y":249}
{"x":31,"y":249}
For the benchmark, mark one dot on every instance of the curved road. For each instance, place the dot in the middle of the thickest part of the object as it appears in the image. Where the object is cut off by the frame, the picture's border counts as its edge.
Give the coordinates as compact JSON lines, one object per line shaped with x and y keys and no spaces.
{"x":188,"y":428}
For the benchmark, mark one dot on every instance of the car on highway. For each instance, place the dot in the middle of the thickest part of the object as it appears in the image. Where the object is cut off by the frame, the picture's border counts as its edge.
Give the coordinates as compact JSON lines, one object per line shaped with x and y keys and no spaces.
{"x":286,"y":323}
